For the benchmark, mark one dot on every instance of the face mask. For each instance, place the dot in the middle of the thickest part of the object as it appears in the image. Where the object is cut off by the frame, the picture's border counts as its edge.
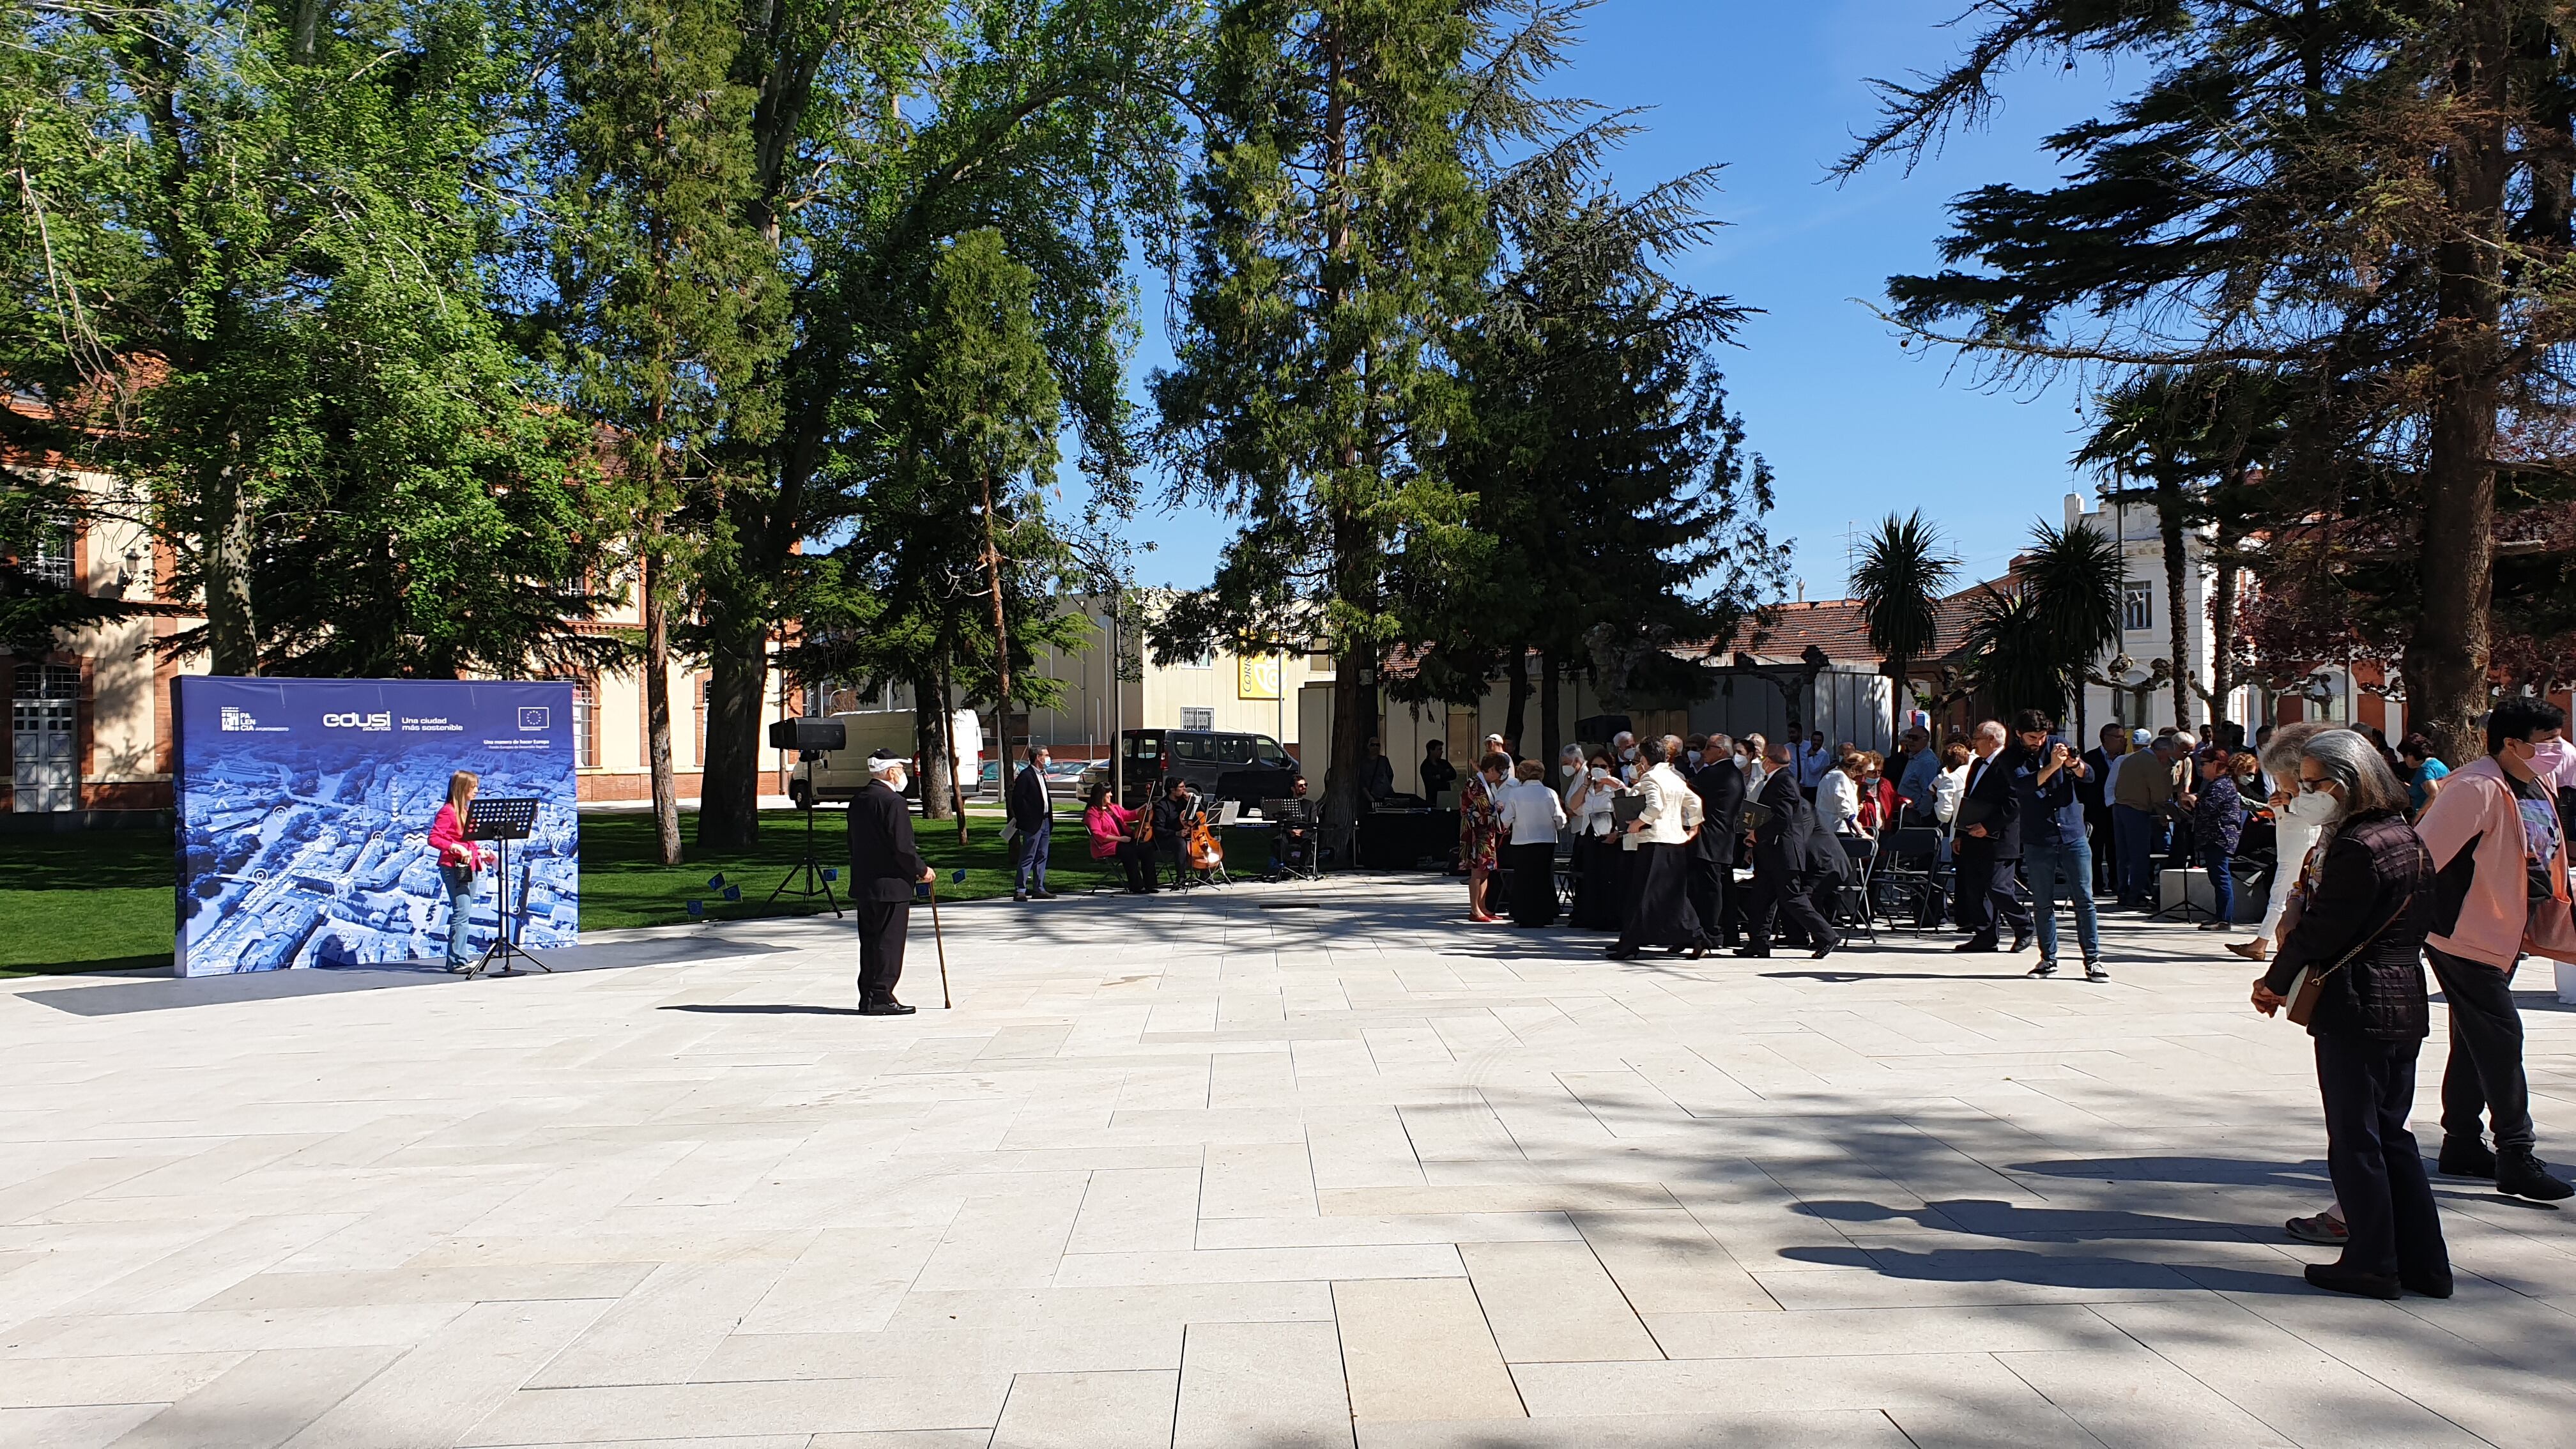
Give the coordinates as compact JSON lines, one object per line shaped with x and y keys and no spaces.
{"x":1568,"y":771}
{"x":2316,"y":806}
{"x":1629,"y":753}
{"x":2550,"y":759}
{"x":1600,"y":772}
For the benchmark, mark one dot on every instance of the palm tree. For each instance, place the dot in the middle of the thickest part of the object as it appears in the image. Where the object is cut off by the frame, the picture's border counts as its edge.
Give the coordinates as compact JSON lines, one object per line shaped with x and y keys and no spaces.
{"x":2014,"y":662}
{"x":1903,"y":572}
{"x":2071,"y":576}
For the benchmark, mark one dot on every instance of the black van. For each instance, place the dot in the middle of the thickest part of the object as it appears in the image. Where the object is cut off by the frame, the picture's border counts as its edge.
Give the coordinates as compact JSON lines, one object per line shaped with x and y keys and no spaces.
{"x":1219,"y":764}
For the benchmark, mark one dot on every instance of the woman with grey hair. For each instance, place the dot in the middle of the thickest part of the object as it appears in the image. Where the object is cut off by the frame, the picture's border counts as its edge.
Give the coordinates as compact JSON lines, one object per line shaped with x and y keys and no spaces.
{"x":2357,"y":927}
{"x":2296,"y":815}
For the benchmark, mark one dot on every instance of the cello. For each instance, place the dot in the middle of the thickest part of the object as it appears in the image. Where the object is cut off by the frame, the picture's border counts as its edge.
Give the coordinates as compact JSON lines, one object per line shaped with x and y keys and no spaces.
{"x":1200,"y":848}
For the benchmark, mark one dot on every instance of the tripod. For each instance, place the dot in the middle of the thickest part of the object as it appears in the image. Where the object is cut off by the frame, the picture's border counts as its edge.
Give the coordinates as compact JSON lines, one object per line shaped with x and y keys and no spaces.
{"x":504,"y":821}
{"x":816,"y":881}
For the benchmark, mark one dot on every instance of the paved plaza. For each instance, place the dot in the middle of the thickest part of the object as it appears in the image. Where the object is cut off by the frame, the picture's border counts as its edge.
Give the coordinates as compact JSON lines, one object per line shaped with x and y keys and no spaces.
{"x":1271,"y":1167}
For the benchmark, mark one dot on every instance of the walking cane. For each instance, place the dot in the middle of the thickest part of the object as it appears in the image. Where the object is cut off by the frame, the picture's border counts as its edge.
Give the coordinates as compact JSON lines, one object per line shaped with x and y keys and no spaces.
{"x":941,"y":942}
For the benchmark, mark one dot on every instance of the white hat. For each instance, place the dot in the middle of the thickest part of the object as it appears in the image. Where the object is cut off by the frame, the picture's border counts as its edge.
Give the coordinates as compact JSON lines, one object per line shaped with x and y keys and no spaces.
{"x":888,"y":764}
{"x":2143,"y":737}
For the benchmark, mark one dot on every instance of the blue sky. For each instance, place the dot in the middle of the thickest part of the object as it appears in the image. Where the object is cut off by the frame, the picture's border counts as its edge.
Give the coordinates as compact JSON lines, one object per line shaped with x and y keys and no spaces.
{"x":1853,"y":426}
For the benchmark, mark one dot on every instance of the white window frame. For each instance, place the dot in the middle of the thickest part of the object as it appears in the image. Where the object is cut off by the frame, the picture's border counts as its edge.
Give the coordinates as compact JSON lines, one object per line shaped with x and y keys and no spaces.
{"x":2138,"y":608}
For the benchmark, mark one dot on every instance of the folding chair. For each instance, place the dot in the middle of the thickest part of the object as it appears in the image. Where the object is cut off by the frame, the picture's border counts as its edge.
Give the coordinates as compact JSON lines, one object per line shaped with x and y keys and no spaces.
{"x":1906,"y":886}
{"x":1852,"y":906}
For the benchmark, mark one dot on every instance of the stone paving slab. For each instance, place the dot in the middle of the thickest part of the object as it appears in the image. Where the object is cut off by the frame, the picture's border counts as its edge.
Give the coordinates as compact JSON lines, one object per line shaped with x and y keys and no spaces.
{"x":1270,"y":1167}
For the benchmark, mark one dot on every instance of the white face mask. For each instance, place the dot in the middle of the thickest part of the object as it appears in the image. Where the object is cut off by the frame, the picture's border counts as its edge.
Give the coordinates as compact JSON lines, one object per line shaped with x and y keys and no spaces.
{"x":1568,"y":770}
{"x":2317,"y":806}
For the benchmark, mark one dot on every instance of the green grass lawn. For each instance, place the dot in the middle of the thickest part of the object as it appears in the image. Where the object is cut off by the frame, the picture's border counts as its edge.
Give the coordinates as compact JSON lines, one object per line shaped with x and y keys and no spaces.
{"x":100,"y":900}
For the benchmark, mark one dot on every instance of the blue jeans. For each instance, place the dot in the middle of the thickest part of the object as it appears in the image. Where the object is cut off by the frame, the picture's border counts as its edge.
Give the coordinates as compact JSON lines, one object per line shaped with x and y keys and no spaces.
{"x":2068,"y":866}
{"x":1033,"y":861}
{"x":2222,"y":886}
{"x":2136,"y":831}
{"x":460,"y":902}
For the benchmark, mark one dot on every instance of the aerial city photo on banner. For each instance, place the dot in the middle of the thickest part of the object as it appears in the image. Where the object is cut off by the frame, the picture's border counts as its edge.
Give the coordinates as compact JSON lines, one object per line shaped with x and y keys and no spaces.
{"x":305,"y":806}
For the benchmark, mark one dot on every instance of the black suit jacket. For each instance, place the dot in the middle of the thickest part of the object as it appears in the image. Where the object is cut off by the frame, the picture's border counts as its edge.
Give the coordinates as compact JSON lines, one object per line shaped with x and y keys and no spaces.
{"x":1028,"y":808}
{"x":884,"y":863}
{"x":1991,"y":801}
{"x":1785,"y":843}
{"x":2088,"y":790}
{"x":1720,"y":788}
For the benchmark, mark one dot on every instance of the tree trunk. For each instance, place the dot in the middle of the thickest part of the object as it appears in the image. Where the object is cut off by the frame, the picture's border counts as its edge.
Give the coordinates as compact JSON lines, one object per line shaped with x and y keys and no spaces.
{"x":657,"y":709}
{"x":1897,"y":667}
{"x":1516,"y":696}
{"x":2177,"y":618}
{"x":2446,"y":660}
{"x":928,"y":713}
{"x":1551,"y":710}
{"x":1001,"y":640}
{"x":2222,"y":627}
{"x":729,"y":784}
{"x":948,"y":736}
{"x":231,"y":632}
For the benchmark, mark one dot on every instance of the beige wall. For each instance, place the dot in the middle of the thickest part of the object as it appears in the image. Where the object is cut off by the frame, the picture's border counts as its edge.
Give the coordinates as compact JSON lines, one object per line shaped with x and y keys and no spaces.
{"x":1085,"y":721}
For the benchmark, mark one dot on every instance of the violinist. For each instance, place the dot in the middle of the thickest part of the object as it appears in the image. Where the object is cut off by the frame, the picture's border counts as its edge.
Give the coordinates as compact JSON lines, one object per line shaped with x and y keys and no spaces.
{"x":1113,"y":837}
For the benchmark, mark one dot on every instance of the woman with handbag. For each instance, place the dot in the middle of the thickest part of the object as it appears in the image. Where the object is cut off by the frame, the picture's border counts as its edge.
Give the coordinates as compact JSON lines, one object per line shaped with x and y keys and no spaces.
{"x":2349,"y":969}
{"x":459,"y":859}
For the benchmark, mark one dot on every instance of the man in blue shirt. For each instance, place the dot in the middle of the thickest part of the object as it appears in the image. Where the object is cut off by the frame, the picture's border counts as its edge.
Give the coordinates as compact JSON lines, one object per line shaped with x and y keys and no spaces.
{"x":2054,"y":854}
{"x":1922,"y":767}
{"x":1812,"y":763}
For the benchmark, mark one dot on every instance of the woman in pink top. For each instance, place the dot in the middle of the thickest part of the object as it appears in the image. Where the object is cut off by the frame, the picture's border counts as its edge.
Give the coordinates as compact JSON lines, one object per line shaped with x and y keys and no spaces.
{"x":458,"y":859}
{"x":1109,"y":823}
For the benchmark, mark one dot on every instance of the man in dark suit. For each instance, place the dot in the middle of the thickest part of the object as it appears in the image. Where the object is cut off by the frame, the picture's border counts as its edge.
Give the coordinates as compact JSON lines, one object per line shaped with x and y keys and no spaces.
{"x":1784,"y":853}
{"x":1988,"y":847}
{"x":1034,"y":819}
{"x":2094,"y":791}
{"x":884,"y":867}
{"x":1720,"y":787}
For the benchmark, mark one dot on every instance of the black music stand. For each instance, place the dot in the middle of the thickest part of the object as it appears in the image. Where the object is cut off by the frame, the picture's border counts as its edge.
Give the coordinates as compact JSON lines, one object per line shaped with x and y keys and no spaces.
{"x":815,"y":881}
{"x":504,"y":821}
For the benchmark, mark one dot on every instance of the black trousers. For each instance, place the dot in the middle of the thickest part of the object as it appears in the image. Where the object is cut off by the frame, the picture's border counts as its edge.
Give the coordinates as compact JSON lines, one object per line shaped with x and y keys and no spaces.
{"x":1986,"y":891}
{"x":1136,"y":860}
{"x":1792,"y":896}
{"x":1659,"y":909}
{"x":2106,"y":848}
{"x":1708,"y":880}
{"x":882,"y":927}
{"x":2484,"y":1073}
{"x":1533,"y":869}
{"x":2378,"y":1171}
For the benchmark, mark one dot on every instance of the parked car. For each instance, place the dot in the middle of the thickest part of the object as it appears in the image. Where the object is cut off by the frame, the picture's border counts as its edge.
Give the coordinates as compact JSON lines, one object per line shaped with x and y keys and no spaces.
{"x":1220,"y":764}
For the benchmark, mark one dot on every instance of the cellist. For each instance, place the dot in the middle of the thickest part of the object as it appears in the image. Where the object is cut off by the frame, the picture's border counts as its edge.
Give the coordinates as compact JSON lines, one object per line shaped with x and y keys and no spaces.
{"x":1171,"y":821}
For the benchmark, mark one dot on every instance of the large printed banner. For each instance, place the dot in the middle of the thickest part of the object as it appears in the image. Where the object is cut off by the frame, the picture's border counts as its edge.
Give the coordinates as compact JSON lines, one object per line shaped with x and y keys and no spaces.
{"x":305,"y":807}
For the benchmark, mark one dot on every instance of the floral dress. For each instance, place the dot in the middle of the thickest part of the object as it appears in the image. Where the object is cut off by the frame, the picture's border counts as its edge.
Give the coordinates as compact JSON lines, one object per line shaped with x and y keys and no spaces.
{"x":1479,"y":826}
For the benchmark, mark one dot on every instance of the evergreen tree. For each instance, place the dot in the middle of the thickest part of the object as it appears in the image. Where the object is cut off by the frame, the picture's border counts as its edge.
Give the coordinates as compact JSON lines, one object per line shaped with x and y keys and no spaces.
{"x":669,"y":294}
{"x":1338,"y":235}
{"x":2377,"y":196}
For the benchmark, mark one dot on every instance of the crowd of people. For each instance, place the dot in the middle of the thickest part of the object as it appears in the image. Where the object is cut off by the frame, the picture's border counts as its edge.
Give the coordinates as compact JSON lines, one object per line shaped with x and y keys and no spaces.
{"x":2373,"y":862}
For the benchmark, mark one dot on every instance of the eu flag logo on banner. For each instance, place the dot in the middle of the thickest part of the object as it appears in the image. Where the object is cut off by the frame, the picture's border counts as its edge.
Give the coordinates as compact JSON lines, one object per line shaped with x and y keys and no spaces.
{"x":532,"y":716}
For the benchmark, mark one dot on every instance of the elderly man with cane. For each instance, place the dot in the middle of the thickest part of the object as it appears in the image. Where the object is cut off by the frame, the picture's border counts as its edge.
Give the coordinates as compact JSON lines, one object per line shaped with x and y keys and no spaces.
{"x":884,"y":867}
